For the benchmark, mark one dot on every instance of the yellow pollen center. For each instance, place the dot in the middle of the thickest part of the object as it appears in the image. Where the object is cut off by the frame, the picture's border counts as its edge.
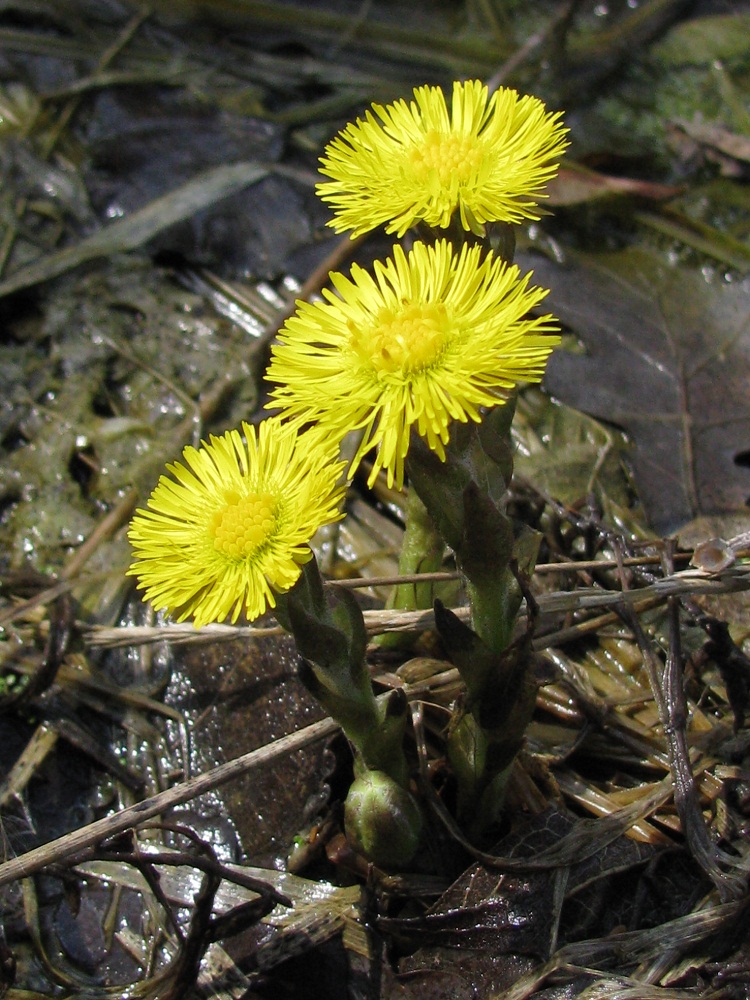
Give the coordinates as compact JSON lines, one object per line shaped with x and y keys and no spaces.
{"x":407,"y":340}
{"x":243,"y":524}
{"x":450,"y":157}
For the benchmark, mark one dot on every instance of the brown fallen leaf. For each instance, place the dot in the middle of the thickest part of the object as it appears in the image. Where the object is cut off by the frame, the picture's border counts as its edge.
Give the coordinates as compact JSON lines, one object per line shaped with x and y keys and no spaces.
{"x":488,"y":928}
{"x":577,"y":184}
{"x":668,"y":360}
{"x":717,"y":137}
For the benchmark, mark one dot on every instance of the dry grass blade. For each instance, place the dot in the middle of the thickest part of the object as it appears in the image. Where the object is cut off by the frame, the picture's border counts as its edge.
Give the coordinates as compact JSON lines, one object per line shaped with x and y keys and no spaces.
{"x":679,"y":934}
{"x":137,"y":228}
{"x":686,"y":582}
{"x":587,"y":837}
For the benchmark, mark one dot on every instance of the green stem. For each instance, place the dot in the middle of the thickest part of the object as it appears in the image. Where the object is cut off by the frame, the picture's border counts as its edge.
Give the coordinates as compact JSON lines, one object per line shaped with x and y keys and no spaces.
{"x":466,"y":496}
{"x":494,"y":607}
{"x":329,"y":631}
{"x":421,"y":552}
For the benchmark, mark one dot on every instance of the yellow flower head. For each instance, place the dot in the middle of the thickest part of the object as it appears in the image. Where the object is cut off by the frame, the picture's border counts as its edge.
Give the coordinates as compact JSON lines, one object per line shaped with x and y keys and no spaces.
{"x":234,"y":524}
{"x":430,"y":338}
{"x":489,"y":159}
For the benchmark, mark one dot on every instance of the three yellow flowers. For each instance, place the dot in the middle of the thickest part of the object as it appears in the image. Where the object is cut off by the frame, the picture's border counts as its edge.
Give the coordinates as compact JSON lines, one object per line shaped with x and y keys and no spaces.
{"x":433,"y":335}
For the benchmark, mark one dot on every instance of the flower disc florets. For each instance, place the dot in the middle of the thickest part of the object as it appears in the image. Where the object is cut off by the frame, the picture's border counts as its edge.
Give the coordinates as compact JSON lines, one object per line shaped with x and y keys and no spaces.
{"x":488,"y":159}
{"x":235,"y":522}
{"x":430,"y":338}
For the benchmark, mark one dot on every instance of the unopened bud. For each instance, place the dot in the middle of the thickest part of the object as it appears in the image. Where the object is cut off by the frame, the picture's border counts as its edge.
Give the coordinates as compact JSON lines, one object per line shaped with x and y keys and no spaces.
{"x":383,"y":821}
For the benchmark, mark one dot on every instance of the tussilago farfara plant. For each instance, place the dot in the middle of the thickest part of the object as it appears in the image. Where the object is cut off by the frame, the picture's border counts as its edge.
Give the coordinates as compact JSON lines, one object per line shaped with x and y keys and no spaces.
{"x":421,"y":357}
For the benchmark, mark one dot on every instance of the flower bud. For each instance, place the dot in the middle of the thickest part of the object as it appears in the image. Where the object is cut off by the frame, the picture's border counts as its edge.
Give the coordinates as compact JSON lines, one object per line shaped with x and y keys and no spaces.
{"x":383,"y":821}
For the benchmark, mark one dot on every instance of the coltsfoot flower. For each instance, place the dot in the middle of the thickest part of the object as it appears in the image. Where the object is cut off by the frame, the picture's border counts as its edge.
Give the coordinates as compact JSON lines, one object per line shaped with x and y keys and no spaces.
{"x":488,"y":159}
{"x":430,"y":338}
{"x":234,"y":523}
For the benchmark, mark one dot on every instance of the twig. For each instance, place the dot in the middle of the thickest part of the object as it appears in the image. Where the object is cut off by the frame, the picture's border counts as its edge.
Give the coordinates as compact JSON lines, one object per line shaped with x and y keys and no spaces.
{"x":379,"y":622}
{"x":70,"y":846}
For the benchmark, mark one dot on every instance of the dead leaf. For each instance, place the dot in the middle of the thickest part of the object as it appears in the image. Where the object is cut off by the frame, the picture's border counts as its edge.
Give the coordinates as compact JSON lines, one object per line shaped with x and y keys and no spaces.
{"x":486,"y":927}
{"x":668,"y":360}
{"x":717,"y":137}
{"x":576,"y":184}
